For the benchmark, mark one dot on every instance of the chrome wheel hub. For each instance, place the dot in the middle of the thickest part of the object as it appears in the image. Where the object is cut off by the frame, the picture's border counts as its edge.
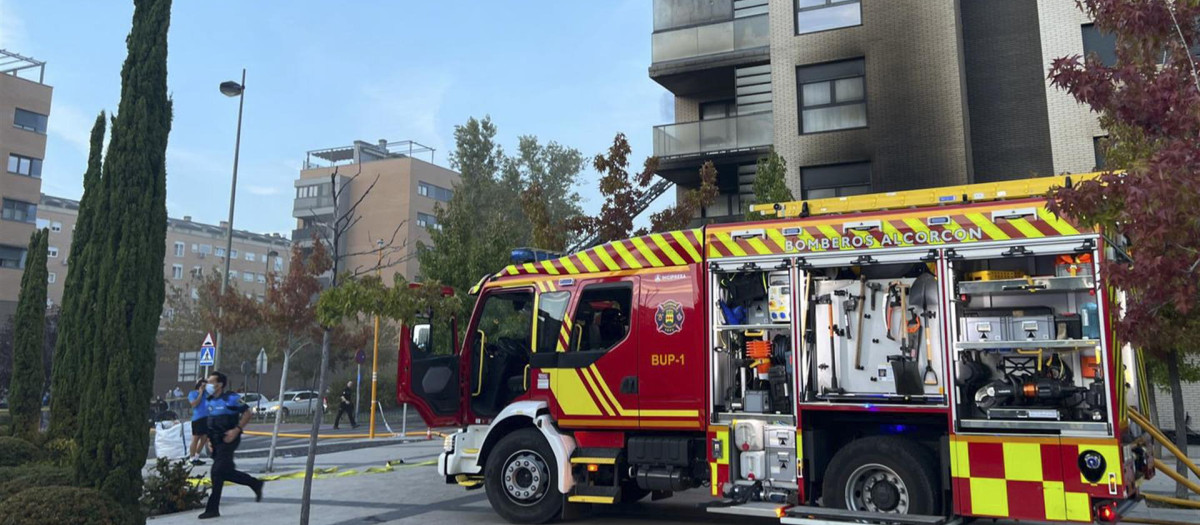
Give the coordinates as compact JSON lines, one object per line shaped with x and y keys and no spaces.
{"x":526,"y":477}
{"x":876,"y":488}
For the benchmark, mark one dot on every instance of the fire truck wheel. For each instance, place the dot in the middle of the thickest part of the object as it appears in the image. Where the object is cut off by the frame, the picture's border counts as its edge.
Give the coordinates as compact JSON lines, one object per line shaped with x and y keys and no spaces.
{"x":521,"y":478}
{"x":882,"y":474}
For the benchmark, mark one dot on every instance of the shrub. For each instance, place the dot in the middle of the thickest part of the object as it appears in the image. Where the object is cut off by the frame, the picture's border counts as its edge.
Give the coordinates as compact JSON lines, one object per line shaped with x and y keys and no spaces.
{"x":170,"y":488}
{"x":78,"y":506}
{"x":60,"y":452}
{"x":57,"y":477}
{"x":14,"y":451}
{"x":10,"y":473}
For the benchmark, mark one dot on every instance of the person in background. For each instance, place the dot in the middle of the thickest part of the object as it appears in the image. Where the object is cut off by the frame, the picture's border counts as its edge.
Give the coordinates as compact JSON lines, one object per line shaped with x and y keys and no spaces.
{"x":177,"y":393}
{"x":196,"y":398}
{"x":346,"y":406}
{"x":227,"y":416}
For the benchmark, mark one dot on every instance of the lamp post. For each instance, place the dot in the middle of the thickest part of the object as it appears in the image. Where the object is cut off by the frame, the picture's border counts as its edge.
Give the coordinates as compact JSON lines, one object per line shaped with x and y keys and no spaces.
{"x":375,"y":355}
{"x":230,"y":88}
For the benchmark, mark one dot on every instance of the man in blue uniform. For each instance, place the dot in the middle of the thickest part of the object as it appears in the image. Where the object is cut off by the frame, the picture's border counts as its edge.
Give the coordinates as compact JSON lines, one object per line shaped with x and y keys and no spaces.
{"x":227,"y":416}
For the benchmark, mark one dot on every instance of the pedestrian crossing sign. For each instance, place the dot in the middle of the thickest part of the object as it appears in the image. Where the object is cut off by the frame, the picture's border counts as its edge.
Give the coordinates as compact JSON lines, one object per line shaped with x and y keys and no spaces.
{"x":208,"y":352}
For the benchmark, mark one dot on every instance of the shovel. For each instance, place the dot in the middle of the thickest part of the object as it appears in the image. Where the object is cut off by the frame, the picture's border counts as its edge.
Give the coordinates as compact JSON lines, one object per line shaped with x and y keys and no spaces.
{"x":924,"y":292}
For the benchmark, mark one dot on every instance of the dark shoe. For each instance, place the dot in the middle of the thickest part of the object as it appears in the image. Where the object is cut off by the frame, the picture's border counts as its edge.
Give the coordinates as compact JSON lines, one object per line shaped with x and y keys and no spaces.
{"x":197,"y":461}
{"x":354,"y":426}
{"x":258,"y":491}
{"x":209,"y":515}
{"x":335,"y":427}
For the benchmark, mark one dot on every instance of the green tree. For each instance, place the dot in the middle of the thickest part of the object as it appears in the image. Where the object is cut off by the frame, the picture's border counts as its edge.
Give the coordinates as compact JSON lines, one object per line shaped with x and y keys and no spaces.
{"x":29,"y":375}
{"x":770,"y":184}
{"x":68,"y":371}
{"x":129,"y":239}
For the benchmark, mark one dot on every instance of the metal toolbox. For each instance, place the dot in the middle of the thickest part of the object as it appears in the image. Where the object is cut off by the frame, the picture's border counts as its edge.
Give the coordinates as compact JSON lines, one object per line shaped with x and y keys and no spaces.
{"x":1031,"y":328}
{"x":977,"y":329}
{"x":781,"y":438}
{"x":781,"y":464}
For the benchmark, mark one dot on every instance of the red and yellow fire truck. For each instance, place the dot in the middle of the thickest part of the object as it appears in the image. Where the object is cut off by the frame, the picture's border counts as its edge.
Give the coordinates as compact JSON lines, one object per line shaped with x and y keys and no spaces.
{"x":910,"y":357}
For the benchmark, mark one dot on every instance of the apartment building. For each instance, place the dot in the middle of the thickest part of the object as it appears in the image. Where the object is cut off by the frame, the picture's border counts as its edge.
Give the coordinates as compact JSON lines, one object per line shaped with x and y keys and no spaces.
{"x":195,"y":251}
{"x":396,"y":194}
{"x":25,"y":103}
{"x":864,"y":96}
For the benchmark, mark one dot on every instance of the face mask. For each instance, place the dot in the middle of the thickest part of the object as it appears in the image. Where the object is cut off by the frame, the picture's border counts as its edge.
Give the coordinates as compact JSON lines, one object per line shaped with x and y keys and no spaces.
{"x":211,"y":389}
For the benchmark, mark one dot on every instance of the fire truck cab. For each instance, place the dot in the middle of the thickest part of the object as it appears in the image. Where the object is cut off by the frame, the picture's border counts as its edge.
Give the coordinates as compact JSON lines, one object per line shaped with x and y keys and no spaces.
{"x":913,"y":357}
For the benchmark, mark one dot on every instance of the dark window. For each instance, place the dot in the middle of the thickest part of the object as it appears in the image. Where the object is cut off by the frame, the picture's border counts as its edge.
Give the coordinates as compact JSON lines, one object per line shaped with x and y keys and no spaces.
{"x":551,"y":309}
{"x":601,"y":317}
{"x":822,"y":15}
{"x":1104,"y":45}
{"x":434,"y":192}
{"x":30,"y":121}
{"x":1100,"y":146}
{"x":832,"y":96}
{"x":836,"y":180}
{"x":719,"y":109}
{"x":12,"y":257}
{"x":27,"y":166}
{"x":20,"y":211}
{"x":428,"y":221}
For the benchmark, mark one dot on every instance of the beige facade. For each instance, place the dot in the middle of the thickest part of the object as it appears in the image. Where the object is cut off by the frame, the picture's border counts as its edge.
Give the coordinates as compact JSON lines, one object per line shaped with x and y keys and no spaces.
{"x":194,"y":251}
{"x":24,"y":108}
{"x":399,"y":208}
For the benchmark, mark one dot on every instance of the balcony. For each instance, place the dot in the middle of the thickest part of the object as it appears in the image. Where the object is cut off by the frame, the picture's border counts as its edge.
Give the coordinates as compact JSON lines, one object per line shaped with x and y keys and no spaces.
{"x":678,"y":54}
{"x":305,"y":235}
{"x":730,"y":134}
{"x":317,"y":206}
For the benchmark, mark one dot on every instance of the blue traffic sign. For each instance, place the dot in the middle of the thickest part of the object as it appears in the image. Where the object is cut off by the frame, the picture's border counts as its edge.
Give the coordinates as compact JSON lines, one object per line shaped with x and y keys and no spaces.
{"x":208,"y":355}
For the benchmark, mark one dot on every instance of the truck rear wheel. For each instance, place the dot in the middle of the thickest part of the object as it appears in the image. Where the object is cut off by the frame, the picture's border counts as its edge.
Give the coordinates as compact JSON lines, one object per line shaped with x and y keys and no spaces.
{"x":882,"y":474}
{"x":521,"y":478}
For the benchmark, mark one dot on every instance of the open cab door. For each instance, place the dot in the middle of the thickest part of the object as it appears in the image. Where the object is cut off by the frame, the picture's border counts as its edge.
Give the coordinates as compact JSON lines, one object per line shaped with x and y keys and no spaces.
{"x":428,"y":375}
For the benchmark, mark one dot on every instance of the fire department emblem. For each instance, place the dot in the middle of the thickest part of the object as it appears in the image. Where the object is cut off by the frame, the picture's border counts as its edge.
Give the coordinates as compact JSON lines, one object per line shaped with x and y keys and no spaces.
{"x":669,"y":317}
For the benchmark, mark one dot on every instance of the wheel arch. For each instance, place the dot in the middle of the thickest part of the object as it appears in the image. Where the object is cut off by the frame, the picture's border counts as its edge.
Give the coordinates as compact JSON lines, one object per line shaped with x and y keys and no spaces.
{"x":532,"y":414}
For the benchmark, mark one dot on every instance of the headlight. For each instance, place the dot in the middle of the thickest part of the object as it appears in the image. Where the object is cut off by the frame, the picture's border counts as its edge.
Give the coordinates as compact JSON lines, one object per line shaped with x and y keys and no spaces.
{"x":273,"y":408}
{"x":448,"y":443}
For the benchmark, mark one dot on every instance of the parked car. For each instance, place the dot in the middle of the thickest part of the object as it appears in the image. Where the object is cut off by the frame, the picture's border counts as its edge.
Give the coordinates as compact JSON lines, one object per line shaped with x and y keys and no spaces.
{"x":255,"y":401}
{"x":300,"y":402}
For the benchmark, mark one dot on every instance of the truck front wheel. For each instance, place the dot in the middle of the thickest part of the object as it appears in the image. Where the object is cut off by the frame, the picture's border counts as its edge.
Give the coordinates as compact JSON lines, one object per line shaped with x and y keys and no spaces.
{"x":882,"y":474}
{"x":521,"y":477}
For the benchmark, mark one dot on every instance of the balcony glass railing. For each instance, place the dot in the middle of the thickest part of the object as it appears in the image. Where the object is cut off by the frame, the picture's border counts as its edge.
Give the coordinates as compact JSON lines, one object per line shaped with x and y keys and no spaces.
{"x":708,"y":136}
{"x":669,"y":14}
{"x":723,"y":37}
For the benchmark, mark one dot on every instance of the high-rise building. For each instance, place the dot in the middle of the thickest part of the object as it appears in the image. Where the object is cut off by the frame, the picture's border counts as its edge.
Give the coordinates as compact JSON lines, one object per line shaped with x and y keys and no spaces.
{"x":395,"y":194}
{"x":864,"y":96}
{"x":25,"y":103}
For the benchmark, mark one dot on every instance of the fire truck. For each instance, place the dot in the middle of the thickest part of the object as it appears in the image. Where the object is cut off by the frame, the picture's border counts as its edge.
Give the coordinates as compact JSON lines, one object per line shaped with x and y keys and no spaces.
{"x":917,"y":357}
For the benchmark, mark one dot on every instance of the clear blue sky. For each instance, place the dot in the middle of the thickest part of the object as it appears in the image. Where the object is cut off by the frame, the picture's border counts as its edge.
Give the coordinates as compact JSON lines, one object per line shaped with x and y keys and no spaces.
{"x":324,"y":73}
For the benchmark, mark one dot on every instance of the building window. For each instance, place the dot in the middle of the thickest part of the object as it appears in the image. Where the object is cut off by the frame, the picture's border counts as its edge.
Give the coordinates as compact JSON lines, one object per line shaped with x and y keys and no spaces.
{"x":51,"y":277}
{"x":718,"y":109}
{"x":434,"y":192}
{"x":27,"y":166}
{"x":220,"y":252}
{"x":52,"y":252}
{"x":249,"y":256}
{"x":822,"y":15}
{"x":177,"y":271}
{"x":56,"y":226}
{"x":836,"y":180}
{"x":30,"y":121}
{"x":262,"y":278}
{"x":195,"y":294}
{"x":278,"y":264}
{"x":1104,"y":45}
{"x":832,"y":95}
{"x":248,"y":277}
{"x":169,"y":314}
{"x":1100,"y":148}
{"x":197,"y":272}
{"x":233,"y":275}
{"x":307,"y":192}
{"x":427,"y":221}
{"x":189,"y":366}
{"x":12,"y":257}
{"x":233,"y":254}
{"x":20,"y":211}
{"x":264,"y":258}
{"x":179,"y":249}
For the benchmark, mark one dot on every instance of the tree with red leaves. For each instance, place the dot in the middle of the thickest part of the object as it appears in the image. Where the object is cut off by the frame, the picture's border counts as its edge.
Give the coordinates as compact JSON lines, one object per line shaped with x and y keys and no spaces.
{"x":1149,"y":102}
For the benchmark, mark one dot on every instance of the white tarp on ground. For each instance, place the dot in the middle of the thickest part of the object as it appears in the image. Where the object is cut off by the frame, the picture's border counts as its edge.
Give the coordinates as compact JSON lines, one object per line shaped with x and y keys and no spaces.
{"x":171,"y":439}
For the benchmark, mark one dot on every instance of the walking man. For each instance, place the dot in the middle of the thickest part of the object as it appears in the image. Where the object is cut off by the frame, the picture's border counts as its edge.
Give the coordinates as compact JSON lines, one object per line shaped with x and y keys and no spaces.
{"x":227,"y":416}
{"x":346,"y":406}
{"x":199,"y":420}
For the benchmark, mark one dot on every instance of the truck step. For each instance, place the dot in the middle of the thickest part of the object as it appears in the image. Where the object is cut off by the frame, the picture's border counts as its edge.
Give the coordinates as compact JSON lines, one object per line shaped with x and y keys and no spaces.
{"x":602,"y":495}
{"x":802,"y":515}
{"x":598,"y":456}
{"x":757,"y":509}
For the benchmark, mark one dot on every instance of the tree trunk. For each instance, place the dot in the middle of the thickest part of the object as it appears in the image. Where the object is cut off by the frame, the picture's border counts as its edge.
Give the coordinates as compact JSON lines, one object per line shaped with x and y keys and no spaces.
{"x":1180,"y":416}
{"x":306,"y":498}
{"x":287,"y":354}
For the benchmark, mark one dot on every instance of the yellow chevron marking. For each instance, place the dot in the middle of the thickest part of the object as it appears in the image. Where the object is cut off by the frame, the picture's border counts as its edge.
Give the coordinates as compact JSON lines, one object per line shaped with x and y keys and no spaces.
{"x":918,"y":225}
{"x":608,"y":409}
{"x":759,"y":246}
{"x":1024,"y":227}
{"x":1056,"y":222}
{"x":806,"y":236}
{"x":988,"y":226}
{"x":666,"y":248}
{"x":835,"y":238}
{"x":549,"y":266}
{"x":569,"y":266}
{"x":587,"y":262}
{"x":550,"y":286}
{"x":571,"y":393}
{"x":646,"y":252}
{"x":605,"y":258}
{"x":529,"y":268}
{"x":687,"y":245}
{"x":539,"y":286}
{"x":731,"y":246}
{"x":643,"y":413}
{"x":777,"y":237}
{"x":629,"y":259}
{"x":510,"y":269}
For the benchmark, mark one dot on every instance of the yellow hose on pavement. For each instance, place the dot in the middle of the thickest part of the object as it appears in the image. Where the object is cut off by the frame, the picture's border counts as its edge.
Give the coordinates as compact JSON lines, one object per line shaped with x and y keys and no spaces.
{"x":1158,"y":435}
{"x":1173,"y":501}
{"x":1170,"y":472}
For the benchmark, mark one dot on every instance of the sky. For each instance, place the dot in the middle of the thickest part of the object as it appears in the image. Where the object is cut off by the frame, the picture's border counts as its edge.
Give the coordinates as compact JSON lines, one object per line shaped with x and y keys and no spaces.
{"x":322,"y":74}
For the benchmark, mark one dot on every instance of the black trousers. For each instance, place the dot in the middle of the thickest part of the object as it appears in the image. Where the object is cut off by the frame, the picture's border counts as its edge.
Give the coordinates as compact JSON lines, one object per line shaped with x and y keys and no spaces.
{"x":224,"y":470}
{"x":349,"y":411}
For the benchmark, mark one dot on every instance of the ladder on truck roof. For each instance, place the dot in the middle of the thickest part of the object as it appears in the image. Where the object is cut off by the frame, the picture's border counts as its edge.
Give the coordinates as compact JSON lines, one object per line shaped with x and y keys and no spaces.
{"x":943,"y":196}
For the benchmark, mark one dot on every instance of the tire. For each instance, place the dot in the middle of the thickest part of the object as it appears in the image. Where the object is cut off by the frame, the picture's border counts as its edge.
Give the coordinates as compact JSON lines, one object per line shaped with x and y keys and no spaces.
{"x":882,"y":474}
{"x":285,"y":412}
{"x":521,"y":478}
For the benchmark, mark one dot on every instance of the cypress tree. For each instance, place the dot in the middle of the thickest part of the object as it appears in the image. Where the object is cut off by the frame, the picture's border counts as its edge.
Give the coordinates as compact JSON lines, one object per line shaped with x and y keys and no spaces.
{"x":29,"y":376}
{"x":68,"y":370}
{"x":129,"y":239}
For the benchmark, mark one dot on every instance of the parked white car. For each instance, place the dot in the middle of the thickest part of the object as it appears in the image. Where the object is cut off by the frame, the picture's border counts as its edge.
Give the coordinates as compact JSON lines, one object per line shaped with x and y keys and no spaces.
{"x":300,"y":402}
{"x":255,"y":401}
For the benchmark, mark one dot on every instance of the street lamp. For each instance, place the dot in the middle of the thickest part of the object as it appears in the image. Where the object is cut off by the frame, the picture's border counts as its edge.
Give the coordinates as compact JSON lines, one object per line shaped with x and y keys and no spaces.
{"x":375,"y":356}
{"x":230,"y":88}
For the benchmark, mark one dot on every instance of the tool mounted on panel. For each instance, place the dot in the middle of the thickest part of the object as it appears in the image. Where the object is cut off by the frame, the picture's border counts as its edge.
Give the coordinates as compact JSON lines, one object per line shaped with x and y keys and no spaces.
{"x":862,"y":310}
